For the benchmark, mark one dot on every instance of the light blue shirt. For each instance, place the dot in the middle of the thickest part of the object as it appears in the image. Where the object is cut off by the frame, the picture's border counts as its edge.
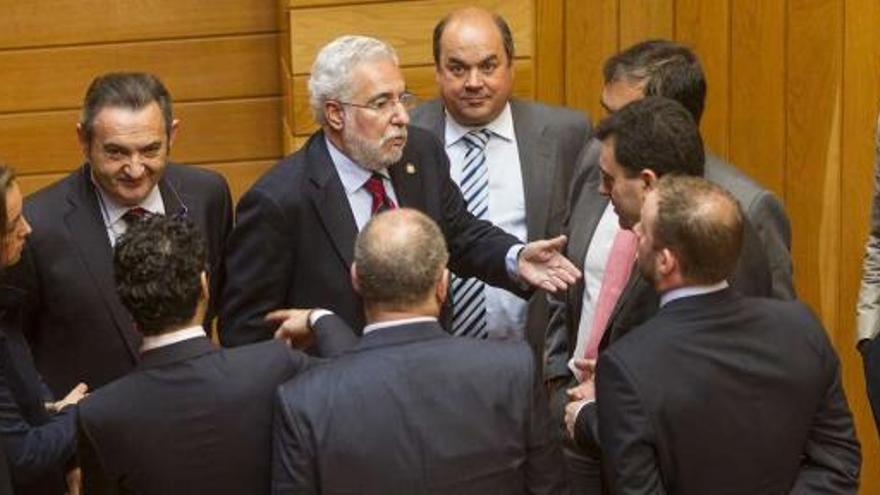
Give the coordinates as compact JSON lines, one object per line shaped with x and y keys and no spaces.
{"x":690,"y":291}
{"x":505,"y":312}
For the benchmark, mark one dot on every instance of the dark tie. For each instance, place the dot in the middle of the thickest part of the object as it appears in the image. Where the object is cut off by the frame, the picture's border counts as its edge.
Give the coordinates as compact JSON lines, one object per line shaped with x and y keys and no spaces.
{"x":376,"y":187}
{"x":134,"y":215}
{"x":469,"y":294}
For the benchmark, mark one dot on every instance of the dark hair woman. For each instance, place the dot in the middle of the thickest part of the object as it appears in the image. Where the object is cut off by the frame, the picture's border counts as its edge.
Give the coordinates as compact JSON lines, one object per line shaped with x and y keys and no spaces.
{"x":38,"y":435}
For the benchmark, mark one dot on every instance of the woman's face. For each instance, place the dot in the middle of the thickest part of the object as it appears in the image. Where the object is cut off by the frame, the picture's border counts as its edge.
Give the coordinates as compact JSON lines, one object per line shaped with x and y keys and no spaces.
{"x":17,"y":227}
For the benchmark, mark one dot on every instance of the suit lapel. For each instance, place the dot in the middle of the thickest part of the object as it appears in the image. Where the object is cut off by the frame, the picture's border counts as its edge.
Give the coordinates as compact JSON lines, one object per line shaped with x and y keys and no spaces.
{"x":173,"y":195}
{"x":87,"y":232}
{"x":329,"y":200}
{"x":406,"y":176}
{"x":537,"y":160}
{"x":634,"y":285}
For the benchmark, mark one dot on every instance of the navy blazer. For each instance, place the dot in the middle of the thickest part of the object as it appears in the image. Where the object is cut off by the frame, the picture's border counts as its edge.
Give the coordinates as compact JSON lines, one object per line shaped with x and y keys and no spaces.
{"x":37,"y":444}
{"x":293,"y":242}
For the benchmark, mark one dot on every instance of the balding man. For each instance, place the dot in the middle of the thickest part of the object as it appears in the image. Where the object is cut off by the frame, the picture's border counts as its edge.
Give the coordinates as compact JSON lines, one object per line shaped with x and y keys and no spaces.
{"x":293,"y":241}
{"x":530,"y":151}
{"x":718,"y":393}
{"x":412,"y":409}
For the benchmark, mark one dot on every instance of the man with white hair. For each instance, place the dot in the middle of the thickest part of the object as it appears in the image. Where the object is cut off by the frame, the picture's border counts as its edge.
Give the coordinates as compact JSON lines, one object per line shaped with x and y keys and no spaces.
{"x":294,"y":240}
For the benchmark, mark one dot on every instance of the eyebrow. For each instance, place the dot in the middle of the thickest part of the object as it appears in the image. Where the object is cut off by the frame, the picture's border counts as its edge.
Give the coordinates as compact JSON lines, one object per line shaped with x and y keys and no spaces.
{"x":491,"y":58}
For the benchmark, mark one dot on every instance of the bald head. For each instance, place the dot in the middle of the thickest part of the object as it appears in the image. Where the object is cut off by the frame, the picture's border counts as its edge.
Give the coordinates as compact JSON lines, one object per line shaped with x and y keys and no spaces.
{"x":474,"y":18}
{"x":399,"y":258}
{"x":701,"y":223}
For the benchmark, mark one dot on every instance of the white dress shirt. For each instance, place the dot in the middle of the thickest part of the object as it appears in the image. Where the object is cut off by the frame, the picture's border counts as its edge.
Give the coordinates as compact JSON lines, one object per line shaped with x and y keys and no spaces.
{"x":155,"y":341}
{"x":594,"y":270}
{"x":505,"y":312}
{"x":693,"y":290}
{"x":112,"y":211}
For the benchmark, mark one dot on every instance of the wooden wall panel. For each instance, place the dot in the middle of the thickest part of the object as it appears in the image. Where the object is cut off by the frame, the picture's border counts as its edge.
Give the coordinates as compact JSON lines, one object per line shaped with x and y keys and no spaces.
{"x":704,"y":26}
{"x":643,"y":19}
{"x":549,"y":53}
{"x":210,"y":131}
{"x":235,"y":66}
{"x":408,"y":29}
{"x":757,"y":91}
{"x":591,"y":36}
{"x":75,"y":22}
{"x":861,"y":94}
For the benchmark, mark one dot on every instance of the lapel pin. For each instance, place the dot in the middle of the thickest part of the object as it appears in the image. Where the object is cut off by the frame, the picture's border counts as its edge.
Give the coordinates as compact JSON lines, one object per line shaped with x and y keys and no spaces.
{"x":410,"y":168}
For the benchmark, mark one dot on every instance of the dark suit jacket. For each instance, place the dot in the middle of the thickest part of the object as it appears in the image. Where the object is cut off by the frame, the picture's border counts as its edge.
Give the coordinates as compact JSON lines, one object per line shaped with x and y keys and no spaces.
{"x":754,"y":276}
{"x":724,"y":394}
{"x":414,"y":410}
{"x":293,"y":242}
{"x":78,"y":328}
{"x":38,"y":444}
{"x":191,"y":419}
{"x":549,"y":140}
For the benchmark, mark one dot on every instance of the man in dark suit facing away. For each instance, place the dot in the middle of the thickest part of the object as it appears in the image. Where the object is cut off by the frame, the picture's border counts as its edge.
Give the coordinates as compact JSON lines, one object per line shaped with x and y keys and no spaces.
{"x":718,"y":393}
{"x":295,"y":228}
{"x":412,"y":409}
{"x":77,"y":328}
{"x":191,"y":418}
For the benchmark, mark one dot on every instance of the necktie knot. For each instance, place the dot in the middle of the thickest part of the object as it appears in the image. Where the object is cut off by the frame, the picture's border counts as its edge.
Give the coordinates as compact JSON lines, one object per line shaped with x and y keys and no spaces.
{"x":477,"y":139}
{"x":134,"y":215}
{"x":376,"y":187}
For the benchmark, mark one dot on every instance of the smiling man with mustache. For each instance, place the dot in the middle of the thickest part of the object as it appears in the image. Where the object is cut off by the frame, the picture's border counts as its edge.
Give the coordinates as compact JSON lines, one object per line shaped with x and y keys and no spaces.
{"x":294,"y":241}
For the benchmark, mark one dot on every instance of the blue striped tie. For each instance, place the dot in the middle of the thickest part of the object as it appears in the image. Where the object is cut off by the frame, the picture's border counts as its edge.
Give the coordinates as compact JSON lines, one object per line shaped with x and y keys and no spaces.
{"x":469,"y":295}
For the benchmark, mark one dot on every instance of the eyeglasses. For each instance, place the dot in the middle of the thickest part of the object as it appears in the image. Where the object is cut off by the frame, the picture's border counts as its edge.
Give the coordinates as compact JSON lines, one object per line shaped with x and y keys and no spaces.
{"x":385,"y":105}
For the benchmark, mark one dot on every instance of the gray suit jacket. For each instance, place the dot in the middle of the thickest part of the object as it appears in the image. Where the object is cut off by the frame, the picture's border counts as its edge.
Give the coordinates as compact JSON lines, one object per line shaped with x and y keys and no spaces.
{"x":767,"y":239}
{"x":549,"y":139}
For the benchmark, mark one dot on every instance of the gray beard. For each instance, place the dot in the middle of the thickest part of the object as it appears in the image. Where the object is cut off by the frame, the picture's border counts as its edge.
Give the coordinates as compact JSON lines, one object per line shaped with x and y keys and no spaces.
{"x":367,"y":154}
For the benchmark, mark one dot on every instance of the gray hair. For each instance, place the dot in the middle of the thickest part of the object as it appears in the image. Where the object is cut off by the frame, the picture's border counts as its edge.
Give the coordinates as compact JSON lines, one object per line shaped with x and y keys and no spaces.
{"x":331,"y":72}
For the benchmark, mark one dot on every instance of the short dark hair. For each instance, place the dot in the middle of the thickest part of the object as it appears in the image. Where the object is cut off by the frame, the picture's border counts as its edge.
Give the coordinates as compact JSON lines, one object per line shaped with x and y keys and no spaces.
{"x":665,"y":68}
{"x":7,"y":179}
{"x":702,"y":223}
{"x":132,"y":90}
{"x":399,"y":257}
{"x":500,"y":23}
{"x":158,"y":265}
{"x":654,"y":133}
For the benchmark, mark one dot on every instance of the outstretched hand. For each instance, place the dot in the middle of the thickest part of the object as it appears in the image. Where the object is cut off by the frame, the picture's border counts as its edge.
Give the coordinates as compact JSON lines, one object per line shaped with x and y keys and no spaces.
{"x":542,"y":264}
{"x":293,"y":326}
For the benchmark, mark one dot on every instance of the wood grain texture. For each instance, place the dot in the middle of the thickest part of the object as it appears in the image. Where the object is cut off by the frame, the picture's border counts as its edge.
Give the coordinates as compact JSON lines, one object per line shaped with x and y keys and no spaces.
{"x":757,"y":91}
{"x":408,"y":29}
{"x":813,"y":120}
{"x":549,"y":51}
{"x":704,"y":26}
{"x":67,"y":22}
{"x":419,"y":80}
{"x":204,"y":68}
{"x":861,"y":94}
{"x":591,"y":36}
{"x":644,"y":19}
{"x":212,"y":131}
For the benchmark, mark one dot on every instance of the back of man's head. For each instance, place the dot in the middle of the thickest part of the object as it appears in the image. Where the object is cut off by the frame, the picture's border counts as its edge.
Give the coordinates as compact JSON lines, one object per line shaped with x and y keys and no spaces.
{"x":700,"y":222}
{"x":130,"y":90}
{"x":399,"y":257}
{"x":662,"y":68}
{"x":654,"y":133}
{"x":158,"y":267}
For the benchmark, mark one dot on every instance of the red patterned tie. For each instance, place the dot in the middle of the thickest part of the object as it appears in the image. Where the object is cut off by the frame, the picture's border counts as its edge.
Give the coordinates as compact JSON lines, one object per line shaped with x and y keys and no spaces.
{"x":617,"y":270}
{"x":134,"y":215}
{"x":376,"y":187}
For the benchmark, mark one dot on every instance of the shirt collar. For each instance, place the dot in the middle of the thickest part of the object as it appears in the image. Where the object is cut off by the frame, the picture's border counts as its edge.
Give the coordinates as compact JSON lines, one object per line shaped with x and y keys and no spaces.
{"x":501,"y":127}
{"x":113,"y":211}
{"x":690,"y":291}
{"x":387,"y":324}
{"x":352,"y":175}
{"x":155,"y":341}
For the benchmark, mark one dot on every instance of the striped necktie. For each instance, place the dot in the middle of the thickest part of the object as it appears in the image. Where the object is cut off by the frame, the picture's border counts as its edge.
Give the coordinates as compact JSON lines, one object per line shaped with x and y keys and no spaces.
{"x":469,"y":295}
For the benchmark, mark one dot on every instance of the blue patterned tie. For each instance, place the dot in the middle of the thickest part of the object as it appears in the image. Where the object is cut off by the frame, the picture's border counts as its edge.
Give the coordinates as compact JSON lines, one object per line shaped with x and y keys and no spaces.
{"x":469,"y":295}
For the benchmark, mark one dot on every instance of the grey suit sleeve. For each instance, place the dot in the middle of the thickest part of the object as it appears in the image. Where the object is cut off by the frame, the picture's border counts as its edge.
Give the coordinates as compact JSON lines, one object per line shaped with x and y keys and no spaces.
{"x":629,"y":461}
{"x":293,"y":467}
{"x":773,"y":228}
{"x":868,"y":307}
{"x":832,"y":458}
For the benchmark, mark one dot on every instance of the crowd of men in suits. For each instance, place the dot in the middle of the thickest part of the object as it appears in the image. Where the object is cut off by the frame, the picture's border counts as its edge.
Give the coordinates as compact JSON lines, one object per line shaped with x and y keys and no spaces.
{"x":479,"y":295}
